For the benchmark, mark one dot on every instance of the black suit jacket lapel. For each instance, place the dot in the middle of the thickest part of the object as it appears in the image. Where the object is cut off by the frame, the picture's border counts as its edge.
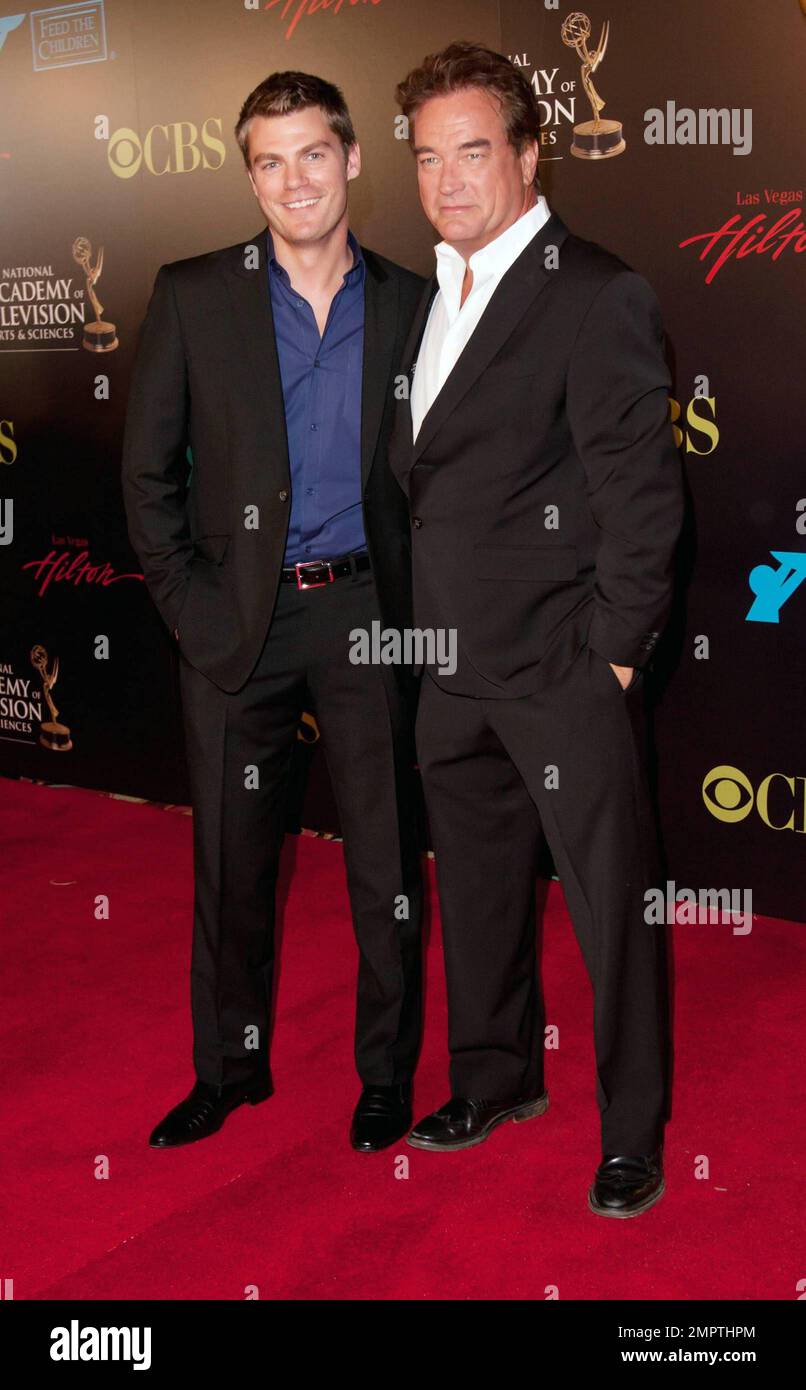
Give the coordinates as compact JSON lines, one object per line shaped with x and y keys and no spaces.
{"x":380,"y":332}
{"x":400,"y":439}
{"x":514,"y":296}
{"x":248,"y":285}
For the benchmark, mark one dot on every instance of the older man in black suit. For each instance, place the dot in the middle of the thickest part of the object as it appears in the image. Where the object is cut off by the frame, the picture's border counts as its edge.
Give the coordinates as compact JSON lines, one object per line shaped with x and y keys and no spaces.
{"x":546,"y":499}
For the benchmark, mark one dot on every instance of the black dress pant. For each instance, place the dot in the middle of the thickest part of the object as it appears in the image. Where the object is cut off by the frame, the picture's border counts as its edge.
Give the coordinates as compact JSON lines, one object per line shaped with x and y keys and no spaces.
{"x":568,"y":762}
{"x":239,"y":749}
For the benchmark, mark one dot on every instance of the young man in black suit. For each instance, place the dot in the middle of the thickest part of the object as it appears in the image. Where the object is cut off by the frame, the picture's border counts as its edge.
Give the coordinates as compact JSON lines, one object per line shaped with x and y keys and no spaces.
{"x":546,"y":499}
{"x":275,"y":360}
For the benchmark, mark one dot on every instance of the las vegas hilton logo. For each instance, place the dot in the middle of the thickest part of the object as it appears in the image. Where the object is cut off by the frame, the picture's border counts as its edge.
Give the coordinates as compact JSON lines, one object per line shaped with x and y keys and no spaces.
{"x":52,"y":734}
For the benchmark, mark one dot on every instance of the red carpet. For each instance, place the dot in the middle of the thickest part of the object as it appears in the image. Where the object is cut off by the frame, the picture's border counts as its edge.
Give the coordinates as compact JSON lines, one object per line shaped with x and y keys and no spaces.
{"x":96,"y":1046}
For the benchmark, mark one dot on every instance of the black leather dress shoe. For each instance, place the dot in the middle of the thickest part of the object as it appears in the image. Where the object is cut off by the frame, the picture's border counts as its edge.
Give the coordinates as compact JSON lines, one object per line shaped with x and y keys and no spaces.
{"x":382,"y":1115}
{"x":626,"y":1186}
{"x":462,"y":1123}
{"x":204,"y":1111}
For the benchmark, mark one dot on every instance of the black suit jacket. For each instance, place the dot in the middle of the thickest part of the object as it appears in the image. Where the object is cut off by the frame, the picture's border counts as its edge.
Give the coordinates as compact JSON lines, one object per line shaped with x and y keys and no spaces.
{"x":207,"y":376}
{"x":544,"y":486}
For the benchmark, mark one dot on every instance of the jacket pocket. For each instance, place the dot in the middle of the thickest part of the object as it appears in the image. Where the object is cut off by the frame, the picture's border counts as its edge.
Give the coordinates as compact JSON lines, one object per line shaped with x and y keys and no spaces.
{"x":610,"y":675}
{"x":541,"y":564}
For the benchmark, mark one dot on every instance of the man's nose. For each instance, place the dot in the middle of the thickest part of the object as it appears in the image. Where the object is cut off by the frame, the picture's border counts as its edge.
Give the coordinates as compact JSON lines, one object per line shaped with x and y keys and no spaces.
{"x":450,"y":180}
{"x":295,"y":176}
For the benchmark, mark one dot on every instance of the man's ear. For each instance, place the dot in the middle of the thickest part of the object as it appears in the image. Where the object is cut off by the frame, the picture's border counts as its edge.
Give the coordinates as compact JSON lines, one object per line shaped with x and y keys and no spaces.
{"x":529,"y":161}
{"x":353,"y":161}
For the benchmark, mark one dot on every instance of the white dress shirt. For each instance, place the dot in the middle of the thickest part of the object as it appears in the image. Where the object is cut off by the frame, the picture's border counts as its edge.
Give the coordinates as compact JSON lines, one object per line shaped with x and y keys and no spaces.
{"x":450,"y":323}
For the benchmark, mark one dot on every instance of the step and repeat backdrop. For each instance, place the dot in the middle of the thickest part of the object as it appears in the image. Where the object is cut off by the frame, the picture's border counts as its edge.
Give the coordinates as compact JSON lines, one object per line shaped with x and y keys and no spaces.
{"x":117,"y":154}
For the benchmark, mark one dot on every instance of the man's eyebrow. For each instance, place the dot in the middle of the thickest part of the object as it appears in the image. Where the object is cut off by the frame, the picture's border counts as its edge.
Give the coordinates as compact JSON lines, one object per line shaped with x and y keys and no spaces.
{"x":267,"y":154}
{"x":466,"y":145}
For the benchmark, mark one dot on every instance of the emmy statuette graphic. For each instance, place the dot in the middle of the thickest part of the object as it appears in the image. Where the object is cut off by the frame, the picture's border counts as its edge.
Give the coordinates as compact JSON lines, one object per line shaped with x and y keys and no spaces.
{"x":98,"y":336}
{"x":594,"y":139}
{"x":52,"y":735}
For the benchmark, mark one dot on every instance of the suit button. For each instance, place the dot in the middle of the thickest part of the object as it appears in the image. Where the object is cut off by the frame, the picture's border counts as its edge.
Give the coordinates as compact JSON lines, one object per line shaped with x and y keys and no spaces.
{"x":416,"y":521}
{"x":283,"y":495}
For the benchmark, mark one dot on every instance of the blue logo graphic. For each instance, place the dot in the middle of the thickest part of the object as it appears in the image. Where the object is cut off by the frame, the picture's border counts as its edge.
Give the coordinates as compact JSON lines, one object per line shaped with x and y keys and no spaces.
{"x":7,"y":24}
{"x":773,"y":587}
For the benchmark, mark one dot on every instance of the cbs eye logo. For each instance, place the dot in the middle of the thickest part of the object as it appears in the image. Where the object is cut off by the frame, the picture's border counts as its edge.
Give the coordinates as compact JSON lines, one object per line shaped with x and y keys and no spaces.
{"x":727,"y":793}
{"x":729,"y":796}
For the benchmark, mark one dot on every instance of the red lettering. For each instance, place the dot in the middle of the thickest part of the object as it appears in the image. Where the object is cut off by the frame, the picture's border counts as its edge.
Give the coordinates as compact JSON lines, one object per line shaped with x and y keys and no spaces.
{"x":744,"y":240}
{"x":298,"y":9}
{"x":55,"y":567}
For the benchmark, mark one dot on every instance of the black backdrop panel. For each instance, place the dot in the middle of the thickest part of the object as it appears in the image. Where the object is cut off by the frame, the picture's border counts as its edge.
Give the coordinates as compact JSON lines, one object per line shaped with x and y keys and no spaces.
{"x":116,"y":127}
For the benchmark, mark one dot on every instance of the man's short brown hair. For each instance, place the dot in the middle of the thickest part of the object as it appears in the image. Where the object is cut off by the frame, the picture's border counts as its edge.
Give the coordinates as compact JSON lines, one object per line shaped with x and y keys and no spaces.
{"x":463,"y":65}
{"x":284,"y":92}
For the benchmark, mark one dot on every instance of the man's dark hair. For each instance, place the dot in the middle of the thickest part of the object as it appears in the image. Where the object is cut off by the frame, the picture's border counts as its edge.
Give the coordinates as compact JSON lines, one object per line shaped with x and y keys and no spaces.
{"x":284,"y":92}
{"x":462,"y":65}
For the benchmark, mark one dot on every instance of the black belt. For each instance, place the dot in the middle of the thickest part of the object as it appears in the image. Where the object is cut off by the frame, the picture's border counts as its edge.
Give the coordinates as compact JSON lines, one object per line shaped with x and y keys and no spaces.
{"x":312,"y":574}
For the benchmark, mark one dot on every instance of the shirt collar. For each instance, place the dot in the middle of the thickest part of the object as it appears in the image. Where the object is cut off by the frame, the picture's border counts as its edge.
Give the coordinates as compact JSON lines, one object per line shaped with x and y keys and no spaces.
{"x":492,"y":261}
{"x":354,"y":275}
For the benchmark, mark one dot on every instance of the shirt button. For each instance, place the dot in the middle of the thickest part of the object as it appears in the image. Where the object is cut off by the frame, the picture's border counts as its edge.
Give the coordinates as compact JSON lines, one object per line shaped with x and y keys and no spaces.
{"x":300,"y":303}
{"x":416,"y":521}
{"x":314,"y":427}
{"x":317,"y":363}
{"x":309,"y":491}
{"x":283,"y":495}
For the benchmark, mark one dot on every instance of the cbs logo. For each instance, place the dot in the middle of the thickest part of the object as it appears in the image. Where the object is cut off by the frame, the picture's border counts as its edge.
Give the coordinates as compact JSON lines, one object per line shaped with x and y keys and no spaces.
{"x":178,"y":148}
{"x":698,"y":424}
{"x":729,"y":796}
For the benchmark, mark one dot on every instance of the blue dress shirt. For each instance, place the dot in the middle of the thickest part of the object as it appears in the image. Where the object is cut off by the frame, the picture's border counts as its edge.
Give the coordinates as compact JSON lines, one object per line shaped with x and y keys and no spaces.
{"x":321,"y":381}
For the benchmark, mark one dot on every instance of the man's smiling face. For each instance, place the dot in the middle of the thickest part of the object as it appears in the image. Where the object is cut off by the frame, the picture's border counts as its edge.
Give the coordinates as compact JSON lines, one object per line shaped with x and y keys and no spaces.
{"x":299,"y":174}
{"x":473,"y":185}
